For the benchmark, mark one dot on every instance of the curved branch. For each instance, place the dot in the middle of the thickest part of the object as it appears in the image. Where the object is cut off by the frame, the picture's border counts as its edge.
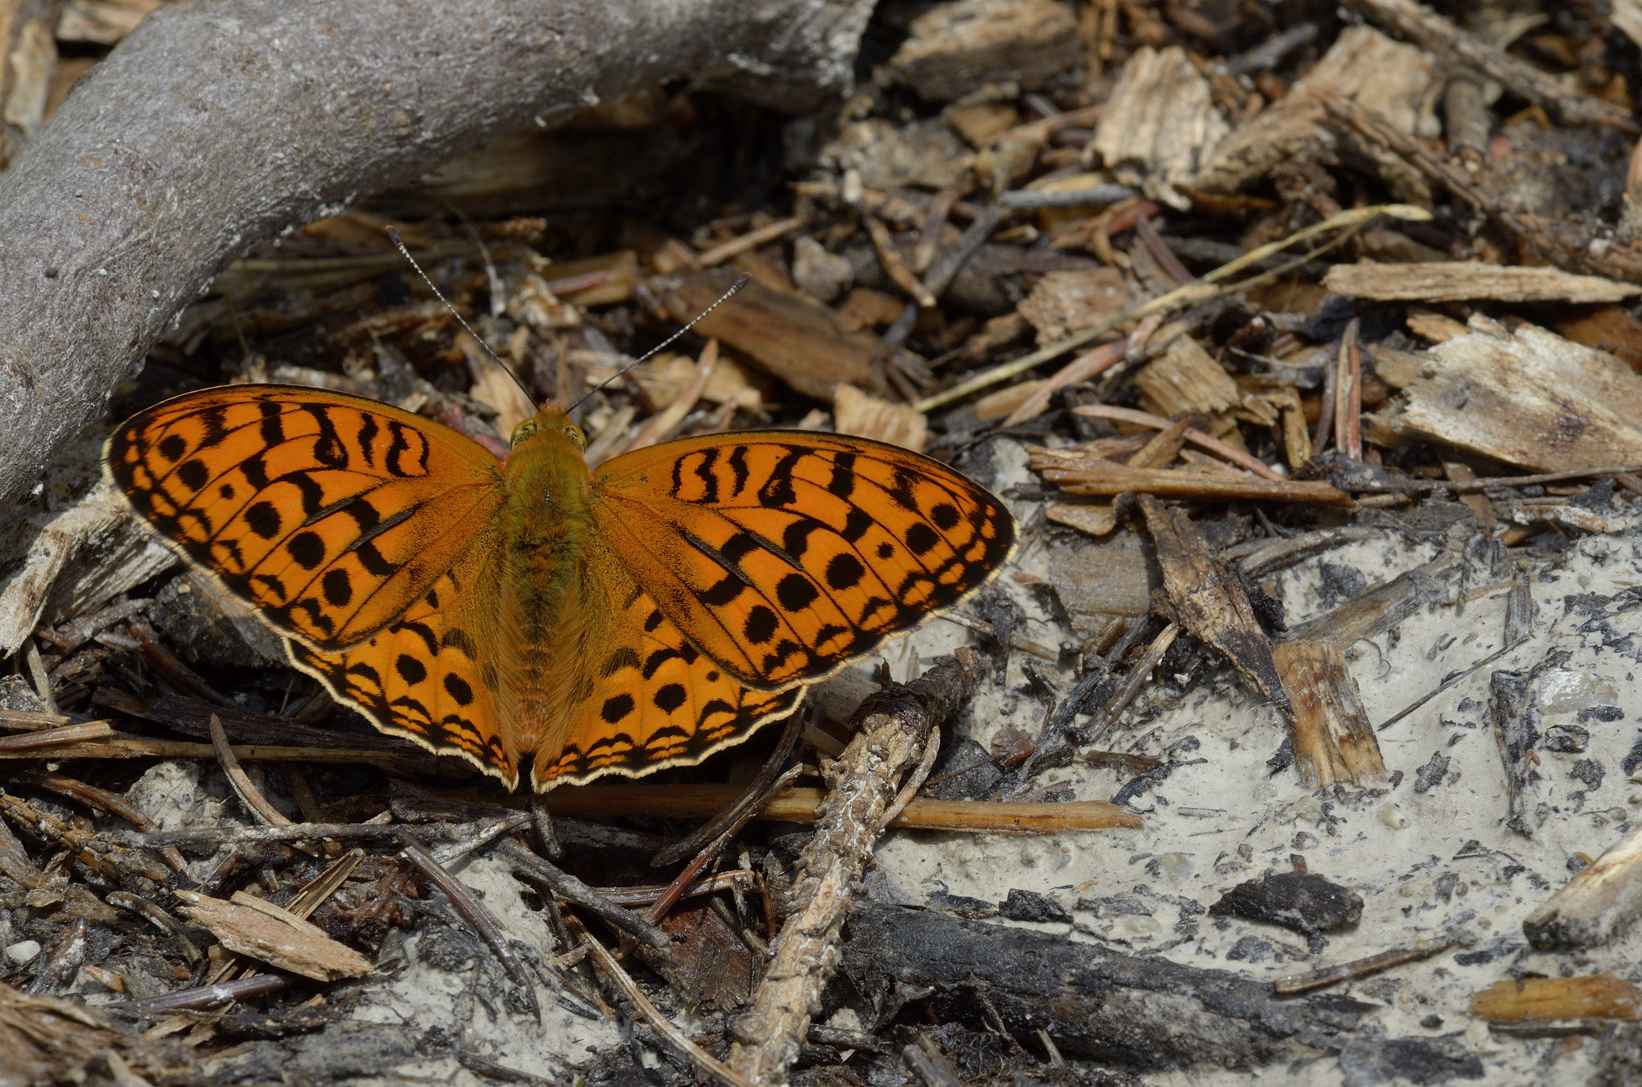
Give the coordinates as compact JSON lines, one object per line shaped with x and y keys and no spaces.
{"x":216,"y":125}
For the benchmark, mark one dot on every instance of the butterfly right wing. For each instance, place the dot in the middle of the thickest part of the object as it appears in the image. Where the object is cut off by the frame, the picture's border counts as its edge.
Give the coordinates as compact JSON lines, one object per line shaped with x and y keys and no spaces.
{"x":644,"y":698}
{"x":330,"y":514}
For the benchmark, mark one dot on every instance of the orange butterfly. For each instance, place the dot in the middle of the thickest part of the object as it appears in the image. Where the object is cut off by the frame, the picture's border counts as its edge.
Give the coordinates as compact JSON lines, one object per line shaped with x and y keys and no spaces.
{"x":622,"y":619}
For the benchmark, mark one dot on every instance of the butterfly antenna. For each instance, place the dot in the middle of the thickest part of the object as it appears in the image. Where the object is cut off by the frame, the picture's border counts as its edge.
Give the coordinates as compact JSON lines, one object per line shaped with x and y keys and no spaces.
{"x":393,"y":236}
{"x":619,"y":374}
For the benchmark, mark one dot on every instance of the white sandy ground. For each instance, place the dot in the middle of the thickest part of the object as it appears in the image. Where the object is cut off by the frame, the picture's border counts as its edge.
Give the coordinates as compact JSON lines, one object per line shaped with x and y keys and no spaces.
{"x":1223,"y":817}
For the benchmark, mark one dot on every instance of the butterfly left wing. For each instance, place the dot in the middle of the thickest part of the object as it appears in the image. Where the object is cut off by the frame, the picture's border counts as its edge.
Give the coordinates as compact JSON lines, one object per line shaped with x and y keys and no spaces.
{"x":784,"y":554}
{"x":328,"y":513}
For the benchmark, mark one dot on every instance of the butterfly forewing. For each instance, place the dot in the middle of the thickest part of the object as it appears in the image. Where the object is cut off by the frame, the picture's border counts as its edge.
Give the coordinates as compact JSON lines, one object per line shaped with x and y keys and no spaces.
{"x":331,"y":514}
{"x":783,"y":554}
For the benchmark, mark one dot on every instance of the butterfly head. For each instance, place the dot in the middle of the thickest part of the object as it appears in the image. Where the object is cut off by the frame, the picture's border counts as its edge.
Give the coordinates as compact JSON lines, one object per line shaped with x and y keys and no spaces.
{"x":550,"y":426}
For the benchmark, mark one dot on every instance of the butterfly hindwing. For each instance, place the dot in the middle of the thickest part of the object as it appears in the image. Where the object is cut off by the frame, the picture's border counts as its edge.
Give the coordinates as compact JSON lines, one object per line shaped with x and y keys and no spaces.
{"x":428,"y":676}
{"x":648,"y":697}
{"x":329,"y":513}
{"x":783,"y":554}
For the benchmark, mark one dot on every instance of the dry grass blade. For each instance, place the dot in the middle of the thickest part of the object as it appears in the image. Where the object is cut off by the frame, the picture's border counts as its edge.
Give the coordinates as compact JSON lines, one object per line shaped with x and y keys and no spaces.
{"x":1179,"y":298}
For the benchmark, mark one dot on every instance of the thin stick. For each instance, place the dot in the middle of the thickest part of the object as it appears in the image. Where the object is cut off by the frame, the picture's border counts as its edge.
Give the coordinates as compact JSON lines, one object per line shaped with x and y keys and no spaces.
{"x":687,"y":877}
{"x":914,"y":781}
{"x":566,"y":886}
{"x":244,"y":788}
{"x":1358,"y":968}
{"x":718,"y":254}
{"x":768,"y":780}
{"x":663,"y":1026}
{"x":26,"y":744}
{"x":1196,"y":437}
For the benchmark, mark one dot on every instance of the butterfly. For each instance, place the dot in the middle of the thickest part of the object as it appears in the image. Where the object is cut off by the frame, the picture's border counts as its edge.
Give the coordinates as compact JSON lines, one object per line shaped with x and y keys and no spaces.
{"x":530,"y":609}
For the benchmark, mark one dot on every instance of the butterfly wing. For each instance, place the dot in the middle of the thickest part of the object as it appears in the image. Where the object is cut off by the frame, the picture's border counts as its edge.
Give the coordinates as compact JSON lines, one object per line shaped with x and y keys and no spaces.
{"x":644,"y":698}
{"x":783,"y":554}
{"x":428,"y":675}
{"x":331,"y":514}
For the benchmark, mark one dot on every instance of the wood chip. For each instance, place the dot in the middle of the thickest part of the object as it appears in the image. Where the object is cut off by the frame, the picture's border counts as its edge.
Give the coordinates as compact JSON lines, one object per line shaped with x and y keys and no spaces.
{"x":1161,"y":116}
{"x":1594,"y":996}
{"x":1067,"y":301}
{"x":1094,"y":521}
{"x":1596,"y":905}
{"x":261,"y":930}
{"x":669,"y":377}
{"x":86,"y":556}
{"x":856,"y":412}
{"x":102,"y":21}
{"x":1332,"y":738}
{"x":1458,"y":280}
{"x":1516,"y":719}
{"x":790,"y":336}
{"x":1209,"y":600}
{"x":1398,"y":82}
{"x":980,"y":123}
{"x":954,"y":48}
{"x":1529,"y":398}
{"x":1186,"y":380}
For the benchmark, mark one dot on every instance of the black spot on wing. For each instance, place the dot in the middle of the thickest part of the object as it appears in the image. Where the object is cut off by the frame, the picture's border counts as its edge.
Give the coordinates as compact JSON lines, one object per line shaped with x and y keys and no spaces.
{"x":761,"y":624}
{"x":704,"y":472}
{"x":313,"y":495}
{"x":921,"y":539}
{"x":844,"y":571}
{"x":411,"y":670}
{"x":777,"y":490}
{"x":842,"y":481}
{"x":328,"y":447}
{"x":338,"y":589}
{"x":458,"y":689}
{"x":669,"y":697}
{"x":856,"y":524}
{"x":795,"y":592}
{"x":306,"y":549}
{"x":193,"y":474}
{"x":655,"y":660}
{"x":366,"y":437}
{"x":737,"y":460}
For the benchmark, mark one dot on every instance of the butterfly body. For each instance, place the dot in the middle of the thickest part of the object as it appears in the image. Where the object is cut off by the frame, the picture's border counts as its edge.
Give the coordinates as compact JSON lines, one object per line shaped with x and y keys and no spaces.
{"x":533,"y":609}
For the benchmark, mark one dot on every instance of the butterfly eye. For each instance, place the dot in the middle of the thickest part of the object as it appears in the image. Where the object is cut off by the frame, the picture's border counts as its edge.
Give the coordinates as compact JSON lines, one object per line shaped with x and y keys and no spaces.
{"x":523,"y":431}
{"x":574,"y":433}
